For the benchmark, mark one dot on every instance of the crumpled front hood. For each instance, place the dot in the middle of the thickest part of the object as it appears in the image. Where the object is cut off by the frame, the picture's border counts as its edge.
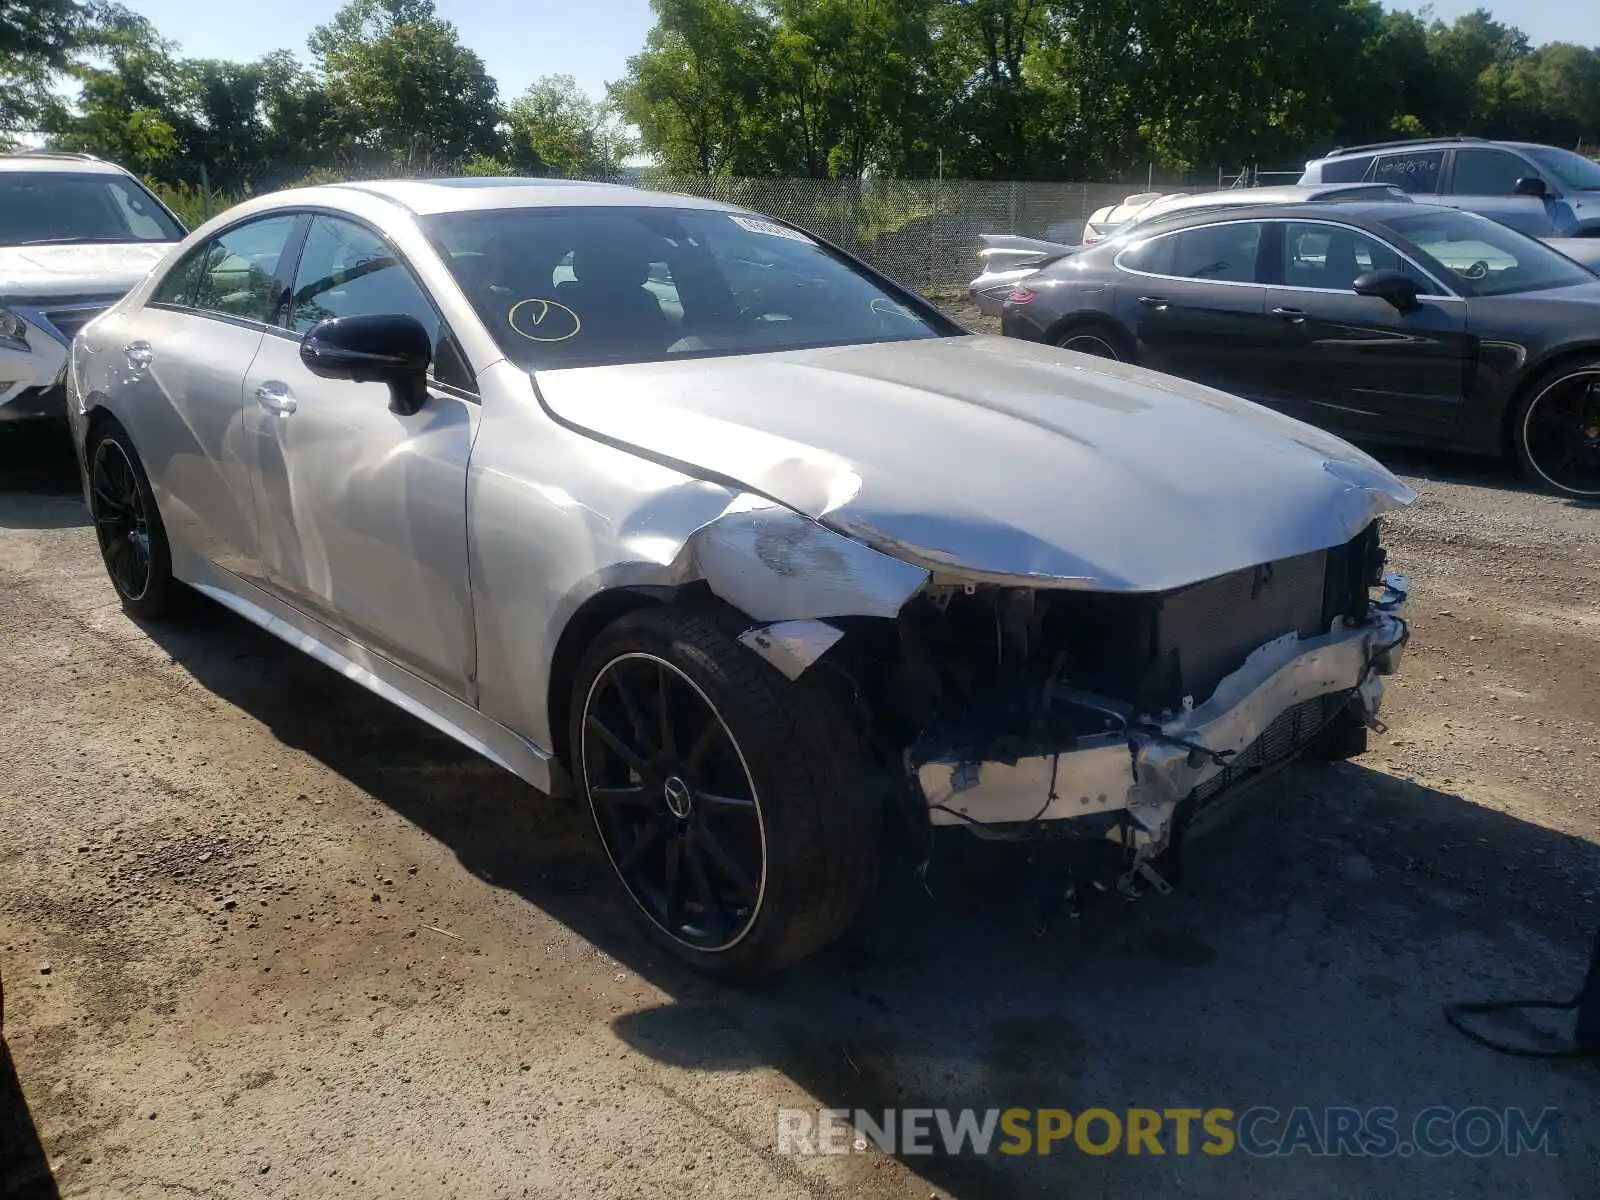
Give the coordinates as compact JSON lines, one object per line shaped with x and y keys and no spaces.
{"x":997,"y":459}
{"x":43,"y":271}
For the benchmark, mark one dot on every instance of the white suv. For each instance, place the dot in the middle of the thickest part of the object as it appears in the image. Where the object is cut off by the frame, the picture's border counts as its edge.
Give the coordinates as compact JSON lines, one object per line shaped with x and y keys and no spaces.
{"x":75,"y":234}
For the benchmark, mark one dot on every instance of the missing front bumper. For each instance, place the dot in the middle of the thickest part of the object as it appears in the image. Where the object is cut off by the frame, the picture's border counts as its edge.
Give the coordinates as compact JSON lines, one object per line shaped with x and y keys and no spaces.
{"x":1265,"y":712}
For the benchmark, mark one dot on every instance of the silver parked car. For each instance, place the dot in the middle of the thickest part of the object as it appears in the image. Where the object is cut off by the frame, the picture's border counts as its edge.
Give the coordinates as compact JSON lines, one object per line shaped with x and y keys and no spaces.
{"x":674,"y":505}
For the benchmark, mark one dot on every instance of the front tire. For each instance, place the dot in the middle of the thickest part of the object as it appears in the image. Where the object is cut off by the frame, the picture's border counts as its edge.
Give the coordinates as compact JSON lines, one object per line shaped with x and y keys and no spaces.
{"x":1555,"y":431}
{"x":732,"y":804}
{"x":127,"y":524}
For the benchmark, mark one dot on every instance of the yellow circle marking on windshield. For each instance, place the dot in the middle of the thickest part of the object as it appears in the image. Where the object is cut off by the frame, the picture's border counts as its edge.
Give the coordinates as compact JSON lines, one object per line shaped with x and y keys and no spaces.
{"x":547,"y":320}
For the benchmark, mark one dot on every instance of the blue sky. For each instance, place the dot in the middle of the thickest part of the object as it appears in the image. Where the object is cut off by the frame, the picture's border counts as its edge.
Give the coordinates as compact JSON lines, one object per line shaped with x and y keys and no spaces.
{"x":591,"y":39}
{"x":518,"y":41}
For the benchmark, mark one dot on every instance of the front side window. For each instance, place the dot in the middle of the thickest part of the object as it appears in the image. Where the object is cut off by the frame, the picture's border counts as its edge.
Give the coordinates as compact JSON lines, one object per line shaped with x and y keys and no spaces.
{"x":347,"y":270}
{"x":1488,"y":173}
{"x":1572,"y":170}
{"x":584,"y":286}
{"x":58,"y":208}
{"x":1485,"y":257}
{"x":1332,"y":256}
{"x":240,"y":275}
{"x":1414,"y":171}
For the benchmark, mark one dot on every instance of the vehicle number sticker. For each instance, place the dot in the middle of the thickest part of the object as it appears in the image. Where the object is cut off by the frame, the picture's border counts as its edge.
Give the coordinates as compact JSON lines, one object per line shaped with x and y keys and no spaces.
{"x":767,"y":227}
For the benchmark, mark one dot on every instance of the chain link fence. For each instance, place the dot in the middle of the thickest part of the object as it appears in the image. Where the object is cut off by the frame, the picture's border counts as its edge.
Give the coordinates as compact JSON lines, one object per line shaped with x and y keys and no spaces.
{"x":922,"y":233}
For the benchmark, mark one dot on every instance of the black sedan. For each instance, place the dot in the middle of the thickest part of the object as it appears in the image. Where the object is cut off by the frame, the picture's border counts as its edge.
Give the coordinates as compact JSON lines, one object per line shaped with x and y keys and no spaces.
{"x":1394,"y":322}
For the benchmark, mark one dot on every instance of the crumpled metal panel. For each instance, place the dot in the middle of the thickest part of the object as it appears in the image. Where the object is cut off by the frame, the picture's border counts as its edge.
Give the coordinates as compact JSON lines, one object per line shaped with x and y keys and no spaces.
{"x":1148,"y":776}
{"x":996,"y":459}
{"x":792,"y":646}
{"x":776,"y":565}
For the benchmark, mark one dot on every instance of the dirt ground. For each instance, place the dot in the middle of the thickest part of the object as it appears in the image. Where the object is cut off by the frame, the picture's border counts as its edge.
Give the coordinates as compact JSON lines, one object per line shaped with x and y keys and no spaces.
{"x":263,"y":935}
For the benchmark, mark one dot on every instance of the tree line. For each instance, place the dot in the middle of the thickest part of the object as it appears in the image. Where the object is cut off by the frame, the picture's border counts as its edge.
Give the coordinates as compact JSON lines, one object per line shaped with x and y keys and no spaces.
{"x":389,"y":88}
{"x":1004,"y":89}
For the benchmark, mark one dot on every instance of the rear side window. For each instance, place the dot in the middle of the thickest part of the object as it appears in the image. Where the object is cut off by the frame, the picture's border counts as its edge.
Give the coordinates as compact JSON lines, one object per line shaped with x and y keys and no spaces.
{"x":1210,"y":252}
{"x":1414,"y":171}
{"x":1154,"y":257}
{"x":1346,"y":170}
{"x":181,"y":283}
{"x":240,"y":276}
{"x":1224,"y":252}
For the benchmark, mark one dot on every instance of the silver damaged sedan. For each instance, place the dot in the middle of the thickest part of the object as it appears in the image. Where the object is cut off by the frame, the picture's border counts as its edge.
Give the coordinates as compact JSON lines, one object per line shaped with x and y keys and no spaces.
{"x":775,"y":567}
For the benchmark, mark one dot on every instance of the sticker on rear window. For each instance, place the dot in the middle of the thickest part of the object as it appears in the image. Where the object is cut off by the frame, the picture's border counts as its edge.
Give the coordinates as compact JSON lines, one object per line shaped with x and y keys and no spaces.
{"x":755,"y":225}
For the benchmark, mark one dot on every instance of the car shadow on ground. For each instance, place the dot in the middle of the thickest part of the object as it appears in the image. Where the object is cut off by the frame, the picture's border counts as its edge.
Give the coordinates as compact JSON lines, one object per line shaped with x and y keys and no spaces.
{"x":24,"y":1169}
{"x":37,"y":456}
{"x":1302,"y":961}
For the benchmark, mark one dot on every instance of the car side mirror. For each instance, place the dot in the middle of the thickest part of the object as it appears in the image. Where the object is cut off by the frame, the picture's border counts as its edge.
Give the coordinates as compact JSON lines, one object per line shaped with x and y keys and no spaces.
{"x":391,"y":348}
{"x":1530,"y":185}
{"x":1396,"y":287}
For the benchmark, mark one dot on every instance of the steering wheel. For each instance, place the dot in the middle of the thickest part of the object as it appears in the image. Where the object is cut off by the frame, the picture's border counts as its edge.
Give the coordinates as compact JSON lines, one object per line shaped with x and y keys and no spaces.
{"x":1478,"y":270}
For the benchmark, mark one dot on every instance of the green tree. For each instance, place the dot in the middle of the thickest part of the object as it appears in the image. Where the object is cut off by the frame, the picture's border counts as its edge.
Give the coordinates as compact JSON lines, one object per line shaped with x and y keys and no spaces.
{"x":402,"y":86}
{"x":127,"y":109}
{"x":39,"y":42}
{"x":695,"y":91}
{"x":554,"y":127}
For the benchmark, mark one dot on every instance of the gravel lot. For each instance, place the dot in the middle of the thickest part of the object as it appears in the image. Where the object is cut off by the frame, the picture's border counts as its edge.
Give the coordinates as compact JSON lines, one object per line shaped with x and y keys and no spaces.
{"x":263,"y":935}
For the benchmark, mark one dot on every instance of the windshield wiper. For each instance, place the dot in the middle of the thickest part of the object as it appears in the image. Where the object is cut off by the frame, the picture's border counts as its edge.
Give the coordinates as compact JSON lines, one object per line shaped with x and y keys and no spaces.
{"x":77,"y":241}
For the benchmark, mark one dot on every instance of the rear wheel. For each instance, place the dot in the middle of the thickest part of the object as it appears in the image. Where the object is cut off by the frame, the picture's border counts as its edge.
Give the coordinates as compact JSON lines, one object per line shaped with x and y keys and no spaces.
{"x":1555,"y":431}
{"x":133,"y":542}
{"x":731,"y":802}
{"x":1098,"y":341}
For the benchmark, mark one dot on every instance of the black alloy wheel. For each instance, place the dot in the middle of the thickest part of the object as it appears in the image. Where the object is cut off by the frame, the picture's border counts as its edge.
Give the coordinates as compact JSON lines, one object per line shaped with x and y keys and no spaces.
{"x":739,"y":809}
{"x":1558,"y":432}
{"x":674,"y":802}
{"x":127,"y":524}
{"x":121,"y":520}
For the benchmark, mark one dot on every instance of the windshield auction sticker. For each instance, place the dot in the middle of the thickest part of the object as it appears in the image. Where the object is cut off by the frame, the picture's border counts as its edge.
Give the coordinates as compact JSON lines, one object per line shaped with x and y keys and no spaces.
{"x":541,"y":320}
{"x":755,"y":225}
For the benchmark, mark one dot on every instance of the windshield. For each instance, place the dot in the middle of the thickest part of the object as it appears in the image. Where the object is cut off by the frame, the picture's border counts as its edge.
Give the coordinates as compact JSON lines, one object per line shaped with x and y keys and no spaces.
{"x":1573,"y":170}
{"x":564,"y":287}
{"x":55,"y":208}
{"x":1483,"y":257}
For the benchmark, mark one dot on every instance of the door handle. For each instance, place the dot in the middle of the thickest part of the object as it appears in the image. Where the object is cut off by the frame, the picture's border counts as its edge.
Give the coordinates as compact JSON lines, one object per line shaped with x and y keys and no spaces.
{"x":139,"y":355}
{"x":1158,"y":303}
{"x":275,"y":397}
{"x":1295,"y":316}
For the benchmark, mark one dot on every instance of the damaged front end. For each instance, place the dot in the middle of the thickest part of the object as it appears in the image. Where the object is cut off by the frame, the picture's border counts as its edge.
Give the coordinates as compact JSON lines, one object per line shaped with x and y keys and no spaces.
{"x":1113,"y":717}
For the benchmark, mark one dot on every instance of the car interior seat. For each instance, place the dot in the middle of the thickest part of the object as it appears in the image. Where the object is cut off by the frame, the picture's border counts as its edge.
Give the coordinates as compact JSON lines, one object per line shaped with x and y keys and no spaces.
{"x":607,"y":291}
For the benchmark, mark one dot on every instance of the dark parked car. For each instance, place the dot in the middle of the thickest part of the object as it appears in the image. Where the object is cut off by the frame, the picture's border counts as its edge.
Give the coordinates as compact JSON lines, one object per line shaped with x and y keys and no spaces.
{"x":1542,"y":190}
{"x":1399,"y":322}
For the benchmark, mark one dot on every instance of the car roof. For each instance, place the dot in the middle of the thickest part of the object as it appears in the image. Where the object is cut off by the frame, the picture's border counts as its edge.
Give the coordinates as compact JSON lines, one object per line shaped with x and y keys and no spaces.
{"x":1356,"y":210}
{"x":1277,"y":194}
{"x":57,"y":163}
{"x":1434,"y":143}
{"x":428,"y":197}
